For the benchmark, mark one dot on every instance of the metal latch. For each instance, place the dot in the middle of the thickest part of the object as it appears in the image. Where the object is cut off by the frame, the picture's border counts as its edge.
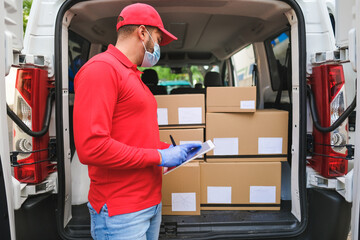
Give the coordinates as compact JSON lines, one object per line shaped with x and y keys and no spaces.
{"x":350,"y":151}
{"x":309,"y":145}
{"x":351,"y":121}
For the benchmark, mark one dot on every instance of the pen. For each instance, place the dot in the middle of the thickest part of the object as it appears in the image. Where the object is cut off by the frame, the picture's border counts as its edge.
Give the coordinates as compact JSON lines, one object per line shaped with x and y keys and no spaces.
{"x":172,"y":141}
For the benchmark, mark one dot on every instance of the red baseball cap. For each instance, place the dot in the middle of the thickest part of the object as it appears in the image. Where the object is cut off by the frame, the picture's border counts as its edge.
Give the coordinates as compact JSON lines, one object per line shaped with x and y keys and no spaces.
{"x":144,"y":14}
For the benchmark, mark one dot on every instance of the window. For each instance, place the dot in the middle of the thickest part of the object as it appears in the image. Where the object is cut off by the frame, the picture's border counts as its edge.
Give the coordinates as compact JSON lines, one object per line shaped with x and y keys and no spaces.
{"x":192,"y":74}
{"x":332,"y":20}
{"x":78,"y":54}
{"x":225,"y":73}
{"x":279,"y":58}
{"x":177,"y":78}
{"x":244,"y":62}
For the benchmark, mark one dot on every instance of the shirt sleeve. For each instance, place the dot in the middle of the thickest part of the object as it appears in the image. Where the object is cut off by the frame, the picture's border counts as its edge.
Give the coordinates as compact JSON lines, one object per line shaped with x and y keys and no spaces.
{"x":164,"y":145}
{"x":96,"y":94}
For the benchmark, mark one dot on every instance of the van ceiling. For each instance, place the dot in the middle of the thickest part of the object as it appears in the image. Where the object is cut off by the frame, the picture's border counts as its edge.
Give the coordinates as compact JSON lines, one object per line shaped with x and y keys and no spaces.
{"x":202,"y":26}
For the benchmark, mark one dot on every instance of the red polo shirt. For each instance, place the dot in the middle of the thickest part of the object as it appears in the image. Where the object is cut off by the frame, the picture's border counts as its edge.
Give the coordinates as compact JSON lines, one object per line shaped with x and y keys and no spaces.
{"x":116,"y":134}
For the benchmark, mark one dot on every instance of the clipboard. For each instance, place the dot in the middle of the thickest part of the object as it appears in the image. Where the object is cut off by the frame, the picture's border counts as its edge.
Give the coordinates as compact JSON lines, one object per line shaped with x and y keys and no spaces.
{"x":205,"y":147}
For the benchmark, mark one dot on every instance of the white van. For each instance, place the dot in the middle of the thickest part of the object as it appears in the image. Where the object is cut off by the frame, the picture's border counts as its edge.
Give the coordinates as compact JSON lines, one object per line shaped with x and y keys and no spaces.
{"x":298,"y":47}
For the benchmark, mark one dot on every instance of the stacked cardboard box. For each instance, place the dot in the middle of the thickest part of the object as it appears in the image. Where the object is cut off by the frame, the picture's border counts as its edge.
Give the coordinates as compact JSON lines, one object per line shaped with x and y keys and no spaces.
{"x":260,"y":136}
{"x":240,"y":185}
{"x":231,"y":99}
{"x":181,"y":191}
{"x":183,"y":136}
{"x":181,"y":111}
{"x":182,"y":117}
{"x":244,"y":170}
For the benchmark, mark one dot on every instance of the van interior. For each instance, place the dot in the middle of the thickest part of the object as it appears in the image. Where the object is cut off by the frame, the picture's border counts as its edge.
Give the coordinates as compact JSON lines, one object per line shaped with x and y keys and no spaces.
{"x":220,"y":43}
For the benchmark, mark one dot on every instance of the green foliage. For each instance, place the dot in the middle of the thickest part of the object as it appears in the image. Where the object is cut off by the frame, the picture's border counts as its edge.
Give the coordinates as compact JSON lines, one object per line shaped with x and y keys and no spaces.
{"x":26,"y":11}
{"x":198,"y":73}
{"x":164,"y":73}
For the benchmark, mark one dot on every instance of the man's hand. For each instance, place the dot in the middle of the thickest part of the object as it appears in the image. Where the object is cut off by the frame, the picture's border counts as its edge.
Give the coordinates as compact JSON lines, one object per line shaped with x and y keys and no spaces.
{"x":174,"y":156}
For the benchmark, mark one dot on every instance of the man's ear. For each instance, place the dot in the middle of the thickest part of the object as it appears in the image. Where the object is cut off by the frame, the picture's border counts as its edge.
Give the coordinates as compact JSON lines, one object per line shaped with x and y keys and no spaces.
{"x":141,"y":32}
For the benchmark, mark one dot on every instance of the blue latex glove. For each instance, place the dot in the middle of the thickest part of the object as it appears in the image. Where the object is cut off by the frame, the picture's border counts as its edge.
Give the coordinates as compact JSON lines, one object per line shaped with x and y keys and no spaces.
{"x":174,"y":156}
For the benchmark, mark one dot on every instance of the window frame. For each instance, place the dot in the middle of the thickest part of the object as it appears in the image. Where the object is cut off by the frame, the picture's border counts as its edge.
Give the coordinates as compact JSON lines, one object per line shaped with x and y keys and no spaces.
{"x":235,"y":76}
{"x":273,"y":68}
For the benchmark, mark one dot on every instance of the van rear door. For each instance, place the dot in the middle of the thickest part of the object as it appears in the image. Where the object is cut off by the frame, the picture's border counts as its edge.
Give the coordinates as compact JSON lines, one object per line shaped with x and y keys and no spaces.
{"x":354,"y":53}
{"x":348,"y":37}
{"x":355,"y":213}
{"x":11,"y":39}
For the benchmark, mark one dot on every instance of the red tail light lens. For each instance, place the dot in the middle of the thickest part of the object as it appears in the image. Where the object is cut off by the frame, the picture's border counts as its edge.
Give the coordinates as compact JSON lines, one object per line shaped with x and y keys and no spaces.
{"x":336,"y":79}
{"x":23,"y":84}
{"x":328,"y":86}
{"x":30,"y":104}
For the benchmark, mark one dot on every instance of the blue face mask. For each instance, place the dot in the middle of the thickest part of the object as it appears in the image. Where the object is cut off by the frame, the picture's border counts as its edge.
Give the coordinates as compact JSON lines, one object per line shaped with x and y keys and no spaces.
{"x":150,"y":59}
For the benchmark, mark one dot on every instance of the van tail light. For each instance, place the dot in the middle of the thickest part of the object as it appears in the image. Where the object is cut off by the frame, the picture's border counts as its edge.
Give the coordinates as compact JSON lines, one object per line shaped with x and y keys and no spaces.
{"x":328,"y":86}
{"x":32,"y":89}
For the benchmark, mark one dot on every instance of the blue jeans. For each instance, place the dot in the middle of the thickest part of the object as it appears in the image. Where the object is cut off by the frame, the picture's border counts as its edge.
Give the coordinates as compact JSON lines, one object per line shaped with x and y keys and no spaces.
{"x":140,"y":225}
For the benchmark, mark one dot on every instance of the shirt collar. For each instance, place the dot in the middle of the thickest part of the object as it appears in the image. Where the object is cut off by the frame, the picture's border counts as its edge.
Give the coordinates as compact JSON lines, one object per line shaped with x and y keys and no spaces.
{"x":122,"y":58}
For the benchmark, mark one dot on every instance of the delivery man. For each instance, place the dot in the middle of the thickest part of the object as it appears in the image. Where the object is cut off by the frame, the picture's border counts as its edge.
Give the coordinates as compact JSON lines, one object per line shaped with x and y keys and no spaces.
{"x":116,"y":130}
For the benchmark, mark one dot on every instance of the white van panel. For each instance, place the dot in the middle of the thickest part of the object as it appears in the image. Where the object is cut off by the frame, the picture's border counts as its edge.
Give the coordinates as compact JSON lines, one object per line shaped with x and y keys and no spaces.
{"x":80,"y":181}
{"x":4,"y":146}
{"x":11,"y":39}
{"x":355,"y":212}
{"x":344,"y":21}
{"x":14,"y":22}
{"x":319,"y":33}
{"x":39,"y":35}
{"x":13,"y":31}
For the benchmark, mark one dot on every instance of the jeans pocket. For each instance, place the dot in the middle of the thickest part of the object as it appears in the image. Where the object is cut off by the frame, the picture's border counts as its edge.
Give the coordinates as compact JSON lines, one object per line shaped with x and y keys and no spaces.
{"x":91,"y":209}
{"x":159,"y":208}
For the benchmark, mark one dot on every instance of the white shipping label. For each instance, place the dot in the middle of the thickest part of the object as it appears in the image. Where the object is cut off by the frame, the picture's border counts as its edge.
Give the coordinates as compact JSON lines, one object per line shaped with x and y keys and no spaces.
{"x":270,"y":145}
{"x":162,"y":115}
{"x":262,"y":194}
{"x":226,"y":146}
{"x":218,"y":194}
{"x":183,"y":202}
{"x":247,"y":104}
{"x":190,"y":115}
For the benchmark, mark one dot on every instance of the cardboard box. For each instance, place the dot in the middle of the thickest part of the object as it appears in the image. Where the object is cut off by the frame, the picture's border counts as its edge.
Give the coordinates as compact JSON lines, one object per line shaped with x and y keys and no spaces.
{"x":182,"y":136}
{"x":262,"y":134}
{"x":181,"y":191}
{"x":181,"y":110}
{"x":231,"y":99}
{"x":240,"y":186}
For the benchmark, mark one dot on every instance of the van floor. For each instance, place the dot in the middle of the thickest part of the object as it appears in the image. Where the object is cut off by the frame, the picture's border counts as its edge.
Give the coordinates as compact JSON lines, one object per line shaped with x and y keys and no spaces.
{"x":208,"y":221}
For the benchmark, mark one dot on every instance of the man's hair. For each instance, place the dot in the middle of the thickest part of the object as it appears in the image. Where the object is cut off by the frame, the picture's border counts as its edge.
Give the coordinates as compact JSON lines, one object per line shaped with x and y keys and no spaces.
{"x":126,"y":30}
